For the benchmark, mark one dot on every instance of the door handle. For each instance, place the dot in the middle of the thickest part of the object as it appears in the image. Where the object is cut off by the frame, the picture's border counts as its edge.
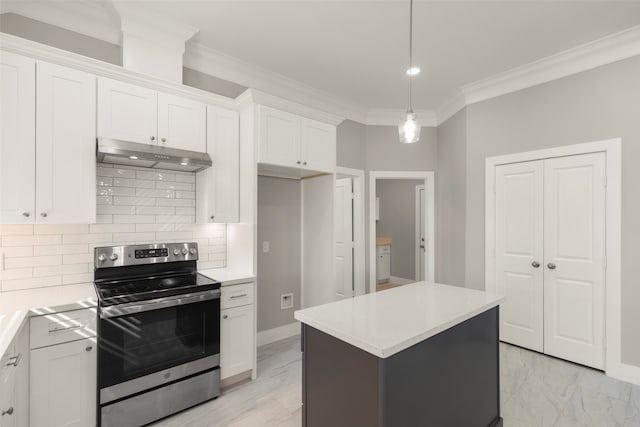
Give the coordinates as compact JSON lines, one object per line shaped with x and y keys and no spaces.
{"x":535,"y":264}
{"x":551,"y":266}
{"x":421,"y":246}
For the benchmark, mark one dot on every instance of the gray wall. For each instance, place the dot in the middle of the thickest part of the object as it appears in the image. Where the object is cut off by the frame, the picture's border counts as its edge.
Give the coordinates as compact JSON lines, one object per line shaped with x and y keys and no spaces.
{"x":594,"y":105}
{"x":385,"y":152}
{"x":451,"y":200}
{"x":351,"y":144}
{"x":398,"y":221}
{"x":279,"y":269}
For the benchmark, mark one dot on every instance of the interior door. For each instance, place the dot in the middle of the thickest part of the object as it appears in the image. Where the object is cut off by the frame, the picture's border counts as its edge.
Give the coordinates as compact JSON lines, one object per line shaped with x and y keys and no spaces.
{"x":343,"y":224}
{"x":574,"y":251}
{"x":17,"y":138}
{"x":420,"y":233}
{"x":519,"y":252}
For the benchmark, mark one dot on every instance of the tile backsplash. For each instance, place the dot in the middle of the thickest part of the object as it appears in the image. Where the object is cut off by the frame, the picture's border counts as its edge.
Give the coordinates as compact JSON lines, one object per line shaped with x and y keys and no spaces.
{"x":134,"y":206}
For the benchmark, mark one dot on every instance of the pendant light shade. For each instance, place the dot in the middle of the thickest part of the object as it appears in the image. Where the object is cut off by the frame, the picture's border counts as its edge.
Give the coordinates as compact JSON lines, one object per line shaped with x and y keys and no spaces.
{"x":409,"y":128}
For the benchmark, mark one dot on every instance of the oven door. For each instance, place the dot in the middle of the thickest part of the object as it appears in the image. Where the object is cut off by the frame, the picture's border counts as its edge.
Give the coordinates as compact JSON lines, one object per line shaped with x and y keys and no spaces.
{"x":145,"y":345}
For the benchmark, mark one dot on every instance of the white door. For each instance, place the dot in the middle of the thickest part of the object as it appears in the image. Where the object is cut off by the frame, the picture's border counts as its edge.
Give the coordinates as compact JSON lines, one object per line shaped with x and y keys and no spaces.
{"x":17,"y":138}
{"x":317,"y":146}
{"x":519,"y":252}
{"x":421,"y":242}
{"x":65,"y":145}
{"x":218,"y":195}
{"x":182,"y":123}
{"x":279,"y":138}
{"x":63,"y":385}
{"x":127,"y":112}
{"x":236,"y":340}
{"x":343,"y":224}
{"x":574,"y":239}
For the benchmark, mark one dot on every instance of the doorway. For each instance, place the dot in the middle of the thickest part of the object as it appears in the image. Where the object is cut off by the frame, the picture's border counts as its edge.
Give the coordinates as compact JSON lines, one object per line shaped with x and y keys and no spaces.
{"x":421,"y":258}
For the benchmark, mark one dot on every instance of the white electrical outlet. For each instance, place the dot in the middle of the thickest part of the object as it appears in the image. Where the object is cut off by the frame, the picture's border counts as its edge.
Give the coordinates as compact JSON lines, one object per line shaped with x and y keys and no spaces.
{"x":265,"y":246}
{"x":286,"y":301}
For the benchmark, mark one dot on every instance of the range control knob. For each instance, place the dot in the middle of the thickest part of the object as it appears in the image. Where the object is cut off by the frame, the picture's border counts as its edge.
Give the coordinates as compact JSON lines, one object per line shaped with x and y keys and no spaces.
{"x":113,"y":257}
{"x":176,"y":252}
{"x":102,"y":257}
{"x":192,"y":251}
{"x":185,"y":251}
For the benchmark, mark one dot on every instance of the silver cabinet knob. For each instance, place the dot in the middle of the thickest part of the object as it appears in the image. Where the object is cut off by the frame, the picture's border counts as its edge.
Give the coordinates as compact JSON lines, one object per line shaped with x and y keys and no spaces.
{"x":26,"y":214}
{"x":298,"y":162}
{"x":88,"y":348}
{"x":212,"y":216}
{"x":102,"y":257}
{"x":304,"y":163}
{"x":551,"y":266}
{"x":43,"y":214}
{"x":225,"y":316}
{"x":535,"y":264}
{"x":153,"y":138}
{"x":164,"y":140}
{"x":113,"y":257}
{"x":8,"y":411}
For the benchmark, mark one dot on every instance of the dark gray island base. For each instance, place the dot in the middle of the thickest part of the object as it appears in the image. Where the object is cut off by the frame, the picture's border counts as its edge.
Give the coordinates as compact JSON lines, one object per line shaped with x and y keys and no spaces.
{"x":451,"y":379}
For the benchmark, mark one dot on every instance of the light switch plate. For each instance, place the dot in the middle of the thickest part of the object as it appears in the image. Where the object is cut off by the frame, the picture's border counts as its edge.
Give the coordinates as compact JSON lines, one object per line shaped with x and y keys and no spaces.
{"x":265,"y":246}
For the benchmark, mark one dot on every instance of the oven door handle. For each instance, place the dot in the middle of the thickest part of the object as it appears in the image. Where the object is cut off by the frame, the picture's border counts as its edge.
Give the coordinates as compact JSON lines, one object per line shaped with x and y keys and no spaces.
{"x":157,"y":304}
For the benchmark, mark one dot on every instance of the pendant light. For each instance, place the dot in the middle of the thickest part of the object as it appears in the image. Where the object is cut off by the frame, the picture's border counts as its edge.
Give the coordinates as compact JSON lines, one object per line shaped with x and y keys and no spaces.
{"x":409,"y":128}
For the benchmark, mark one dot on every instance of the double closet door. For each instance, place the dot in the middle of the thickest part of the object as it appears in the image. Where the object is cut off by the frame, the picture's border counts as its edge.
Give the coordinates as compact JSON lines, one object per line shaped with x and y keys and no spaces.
{"x":550,"y":255}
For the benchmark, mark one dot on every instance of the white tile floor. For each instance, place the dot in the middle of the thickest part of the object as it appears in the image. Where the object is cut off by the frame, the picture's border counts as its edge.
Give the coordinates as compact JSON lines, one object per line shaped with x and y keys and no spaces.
{"x":536,"y":391}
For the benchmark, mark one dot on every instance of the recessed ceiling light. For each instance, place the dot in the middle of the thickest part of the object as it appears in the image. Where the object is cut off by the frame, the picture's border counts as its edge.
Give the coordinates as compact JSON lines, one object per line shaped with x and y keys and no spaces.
{"x":184,"y":163}
{"x":413,"y":71}
{"x":133,"y":157}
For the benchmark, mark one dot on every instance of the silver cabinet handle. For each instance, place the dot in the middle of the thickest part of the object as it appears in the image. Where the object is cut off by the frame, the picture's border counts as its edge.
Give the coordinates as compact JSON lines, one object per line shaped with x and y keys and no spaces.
{"x":8,"y":411}
{"x":225,"y":316}
{"x":43,"y":214}
{"x":88,"y":348}
{"x":153,"y":138}
{"x":237,"y":296}
{"x":551,"y":266}
{"x":535,"y":264}
{"x":68,"y":328}
{"x":26,"y":214}
{"x":15,"y":360}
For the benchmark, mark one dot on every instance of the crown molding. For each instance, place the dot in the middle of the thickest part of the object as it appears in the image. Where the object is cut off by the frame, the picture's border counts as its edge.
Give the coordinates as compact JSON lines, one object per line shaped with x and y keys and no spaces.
{"x":606,"y":50}
{"x":384,"y":117}
{"x":450,"y":107}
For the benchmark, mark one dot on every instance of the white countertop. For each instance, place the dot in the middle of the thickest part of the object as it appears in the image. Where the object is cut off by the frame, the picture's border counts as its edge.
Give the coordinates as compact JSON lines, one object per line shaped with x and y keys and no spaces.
{"x":17,"y":306}
{"x":387,"y":322}
{"x":229,"y":276}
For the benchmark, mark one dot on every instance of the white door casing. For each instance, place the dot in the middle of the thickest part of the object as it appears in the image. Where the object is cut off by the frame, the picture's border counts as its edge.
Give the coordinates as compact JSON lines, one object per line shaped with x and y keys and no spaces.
{"x":343,"y":229}
{"x":574,"y":249}
{"x":519,"y":248}
{"x":421,"y":236}
{"x":17,"y":138}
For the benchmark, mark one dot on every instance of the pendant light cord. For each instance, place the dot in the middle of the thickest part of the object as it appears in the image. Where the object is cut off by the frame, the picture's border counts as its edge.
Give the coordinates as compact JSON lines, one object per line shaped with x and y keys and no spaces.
{"x":410,"y":51}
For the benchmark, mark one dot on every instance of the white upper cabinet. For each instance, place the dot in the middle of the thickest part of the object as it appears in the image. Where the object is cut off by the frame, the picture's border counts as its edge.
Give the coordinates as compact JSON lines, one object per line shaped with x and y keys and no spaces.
{"x":218,"y":187}
{"x":17,"y":138}
{"x":289,"y":140}
{"x":181,"y":123}
{"x":65,"y":145}
{"x":127,"y":112}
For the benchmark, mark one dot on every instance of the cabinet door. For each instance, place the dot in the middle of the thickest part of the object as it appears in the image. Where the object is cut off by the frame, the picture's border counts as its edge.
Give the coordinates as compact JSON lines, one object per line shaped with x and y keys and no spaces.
{"x":279,"y":138}
{"x":181,"y":123}
{"x":218,"y":187}
{"x":318,"y":146}
{"x":127,"y":112}
{"x":236,"y":340}
{"x":17,"y":138}
{"x":7,"y":390}
{"x":65,"y":145}
{"x":21,"y":367}
{"x":63,"y":385}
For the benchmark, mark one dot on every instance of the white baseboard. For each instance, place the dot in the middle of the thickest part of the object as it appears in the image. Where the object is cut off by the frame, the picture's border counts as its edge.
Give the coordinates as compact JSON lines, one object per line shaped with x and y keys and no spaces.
{"x":401,"y":281}
{"x":277,"y":334}
{"x":625,"y":372}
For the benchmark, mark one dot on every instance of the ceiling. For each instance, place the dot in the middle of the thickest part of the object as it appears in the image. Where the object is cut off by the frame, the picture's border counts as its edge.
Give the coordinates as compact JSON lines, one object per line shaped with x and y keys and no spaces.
{"x":358,"y":50}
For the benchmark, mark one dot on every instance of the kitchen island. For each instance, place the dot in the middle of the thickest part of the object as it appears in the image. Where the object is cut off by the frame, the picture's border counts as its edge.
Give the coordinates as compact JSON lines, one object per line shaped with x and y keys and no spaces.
{"x":422,"y":354}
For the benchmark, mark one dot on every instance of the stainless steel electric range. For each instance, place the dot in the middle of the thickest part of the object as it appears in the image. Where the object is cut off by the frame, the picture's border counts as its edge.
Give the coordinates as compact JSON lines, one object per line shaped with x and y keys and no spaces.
{"x":158,"y":332}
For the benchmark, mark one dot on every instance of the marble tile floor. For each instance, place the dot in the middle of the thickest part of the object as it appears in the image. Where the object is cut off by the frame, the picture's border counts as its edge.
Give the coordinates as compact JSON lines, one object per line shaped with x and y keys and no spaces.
{"x":536,"y":391}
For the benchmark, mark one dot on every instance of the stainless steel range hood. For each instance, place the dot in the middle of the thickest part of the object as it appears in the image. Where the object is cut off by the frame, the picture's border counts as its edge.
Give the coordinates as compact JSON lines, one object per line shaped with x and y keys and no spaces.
{"x":120,"y":152}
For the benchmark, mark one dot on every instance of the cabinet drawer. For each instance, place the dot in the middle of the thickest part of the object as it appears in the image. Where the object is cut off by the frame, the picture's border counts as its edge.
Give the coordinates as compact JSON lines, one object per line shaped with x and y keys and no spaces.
{"x":57,"y":328}
{"x":385,"y":249}
{"x":236,"y":295}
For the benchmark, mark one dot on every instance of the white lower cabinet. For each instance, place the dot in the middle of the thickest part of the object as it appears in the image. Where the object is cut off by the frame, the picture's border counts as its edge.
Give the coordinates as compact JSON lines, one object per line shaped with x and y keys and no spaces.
{"x":237,"y":333}
{"x":14,"y":383}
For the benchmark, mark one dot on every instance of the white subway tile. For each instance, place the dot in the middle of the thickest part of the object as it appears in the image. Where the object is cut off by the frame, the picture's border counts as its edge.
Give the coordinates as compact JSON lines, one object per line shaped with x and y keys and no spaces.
{"x":103,"y":181}
{"x":16,"y":273}
{"x":40,"y":282}
{"x":155,"y":210}
{"x":61,"y":229}
{"x":186,"y":186}
{"x":152,"y":192}
{"x":186,"y":178}
{"x":205,"y":265}
{"x":31,"y":240}
{"x":126,"y":237}
{"x":142,"y":183}
{"x":217,"y":256}
{"x":104,"y":191}
{"x":109,"y":210}
{"x":75,"y":268}
{"x":111,"y":228}
{"x":77,"y":258}
{"x":173,"y":235}
{"x":18,"y":251}
{"x":185,"y":195}
{"x":104,"y":219}
{"x":134,"y":201}
{"x":124,"y":182}
{"x":176,"y":202}
{"x":70,"y":279}
{"x":70,"y":239}
{"x":16,"y":229}
{"x":115,"y":172}
{"x":134,"y":219}
{"x":174,"y":219}
{"x":60,"y":249}
{"x":54,"y":270}
{"x":186,"y":211}
{"x":34,"y":261}
{"x":103,"y":200}
{"x":156,"y":175}
{"x":154,"y":227}
{"x":116,"y":191}
{"x":187,"y":227}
